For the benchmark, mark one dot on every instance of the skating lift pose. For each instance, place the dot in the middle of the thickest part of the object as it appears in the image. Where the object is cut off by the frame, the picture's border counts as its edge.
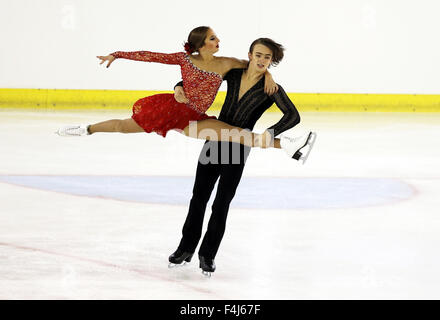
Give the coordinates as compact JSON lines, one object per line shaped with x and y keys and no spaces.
{"x":202,"y":75}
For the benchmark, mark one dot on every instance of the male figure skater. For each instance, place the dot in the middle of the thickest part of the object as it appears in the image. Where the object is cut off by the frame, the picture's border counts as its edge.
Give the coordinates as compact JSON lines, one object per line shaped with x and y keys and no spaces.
{"x":244,"y":104}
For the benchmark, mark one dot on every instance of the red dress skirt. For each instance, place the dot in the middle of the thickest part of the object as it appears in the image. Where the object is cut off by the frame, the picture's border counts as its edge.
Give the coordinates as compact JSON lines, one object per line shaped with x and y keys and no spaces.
{"x":161,"y":112}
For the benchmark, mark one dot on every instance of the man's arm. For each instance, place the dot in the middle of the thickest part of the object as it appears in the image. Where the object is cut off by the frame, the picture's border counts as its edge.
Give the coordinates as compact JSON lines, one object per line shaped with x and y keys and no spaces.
{"x":178,"y":84}
{"x":179,"y":93}
{"x":290,"y":114}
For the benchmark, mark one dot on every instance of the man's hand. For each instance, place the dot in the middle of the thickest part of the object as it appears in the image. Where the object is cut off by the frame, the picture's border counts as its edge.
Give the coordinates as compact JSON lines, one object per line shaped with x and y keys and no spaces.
{"x":179,"y":95}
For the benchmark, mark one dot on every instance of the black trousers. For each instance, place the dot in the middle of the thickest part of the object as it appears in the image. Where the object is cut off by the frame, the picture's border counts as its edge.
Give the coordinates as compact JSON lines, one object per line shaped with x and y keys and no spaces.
{"x":222,"y":161}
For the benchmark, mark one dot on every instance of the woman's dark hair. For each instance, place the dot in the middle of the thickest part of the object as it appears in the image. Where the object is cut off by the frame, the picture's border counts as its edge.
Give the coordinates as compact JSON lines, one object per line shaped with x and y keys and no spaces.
{"x":196,"y":39}
{"x":276,"y":48}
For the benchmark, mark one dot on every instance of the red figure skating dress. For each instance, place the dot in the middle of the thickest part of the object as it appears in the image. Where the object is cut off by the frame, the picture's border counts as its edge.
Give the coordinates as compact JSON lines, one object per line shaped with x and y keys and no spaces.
{"x":161,"y":112}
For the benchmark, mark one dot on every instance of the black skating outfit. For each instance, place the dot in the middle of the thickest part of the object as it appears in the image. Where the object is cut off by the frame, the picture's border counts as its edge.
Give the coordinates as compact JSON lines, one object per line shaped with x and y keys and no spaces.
{"x":231,"y":158}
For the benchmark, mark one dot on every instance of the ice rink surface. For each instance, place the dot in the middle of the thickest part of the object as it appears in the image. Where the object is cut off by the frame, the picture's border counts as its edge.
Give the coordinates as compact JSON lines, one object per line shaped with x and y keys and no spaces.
{"x":96,"y":217}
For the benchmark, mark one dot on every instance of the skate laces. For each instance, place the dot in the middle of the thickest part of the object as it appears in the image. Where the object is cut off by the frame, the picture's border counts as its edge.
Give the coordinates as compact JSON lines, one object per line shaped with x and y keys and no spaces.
{"x":297,"y":138}
{"x":74,"y":130}
{"x":291,"y":139}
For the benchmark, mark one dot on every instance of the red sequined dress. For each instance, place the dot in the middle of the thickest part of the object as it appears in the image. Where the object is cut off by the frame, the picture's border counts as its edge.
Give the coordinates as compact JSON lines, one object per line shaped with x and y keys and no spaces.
{"x":161,"y":112}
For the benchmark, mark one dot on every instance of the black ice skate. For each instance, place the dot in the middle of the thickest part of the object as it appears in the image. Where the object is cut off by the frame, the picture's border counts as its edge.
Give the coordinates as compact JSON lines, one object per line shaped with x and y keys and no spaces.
{"x":207,"y":265}
{"x":179,"y":257}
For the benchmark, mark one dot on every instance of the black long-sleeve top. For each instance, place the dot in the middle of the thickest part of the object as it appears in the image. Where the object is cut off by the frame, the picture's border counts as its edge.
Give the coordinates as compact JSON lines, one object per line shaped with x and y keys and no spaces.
{"x":244,"y":113}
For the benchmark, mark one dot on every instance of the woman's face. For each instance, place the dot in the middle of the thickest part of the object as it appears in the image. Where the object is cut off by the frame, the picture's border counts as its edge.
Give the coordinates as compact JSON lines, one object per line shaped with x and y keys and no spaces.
{"x":211,"y":42}
{"x":260,"y":58}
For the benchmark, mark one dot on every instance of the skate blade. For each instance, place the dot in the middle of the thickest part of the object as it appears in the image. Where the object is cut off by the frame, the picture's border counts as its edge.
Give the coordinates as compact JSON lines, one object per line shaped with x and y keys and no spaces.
{"x":207,"y":274}
{"x":309,"y":145}
{"x":65,"y":135}
{"x":174,"y":265}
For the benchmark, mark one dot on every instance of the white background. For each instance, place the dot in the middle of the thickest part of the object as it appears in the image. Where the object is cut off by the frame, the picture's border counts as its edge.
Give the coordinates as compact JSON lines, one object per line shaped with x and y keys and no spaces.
{"x":348,"y":46}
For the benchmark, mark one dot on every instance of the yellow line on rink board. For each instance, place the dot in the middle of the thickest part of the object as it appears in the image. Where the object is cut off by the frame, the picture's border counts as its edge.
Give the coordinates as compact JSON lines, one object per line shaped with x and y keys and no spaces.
{"x":69,"y":99}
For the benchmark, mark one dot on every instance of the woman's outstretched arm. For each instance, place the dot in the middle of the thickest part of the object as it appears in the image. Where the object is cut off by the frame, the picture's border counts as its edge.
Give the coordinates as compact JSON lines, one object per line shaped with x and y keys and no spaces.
{"x":147,"y":56}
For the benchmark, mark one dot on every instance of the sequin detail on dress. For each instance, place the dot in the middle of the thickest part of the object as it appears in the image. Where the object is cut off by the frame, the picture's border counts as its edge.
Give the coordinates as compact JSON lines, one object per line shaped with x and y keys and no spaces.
{"x":160,"y":113}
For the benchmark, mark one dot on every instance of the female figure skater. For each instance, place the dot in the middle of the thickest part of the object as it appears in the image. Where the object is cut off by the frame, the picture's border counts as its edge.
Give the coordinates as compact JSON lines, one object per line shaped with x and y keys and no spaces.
{"x":202,"y":76}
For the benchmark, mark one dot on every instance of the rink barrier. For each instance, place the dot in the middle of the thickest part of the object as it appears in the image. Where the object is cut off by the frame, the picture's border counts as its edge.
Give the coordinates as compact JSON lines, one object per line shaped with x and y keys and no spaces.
{"x":70,"y":99}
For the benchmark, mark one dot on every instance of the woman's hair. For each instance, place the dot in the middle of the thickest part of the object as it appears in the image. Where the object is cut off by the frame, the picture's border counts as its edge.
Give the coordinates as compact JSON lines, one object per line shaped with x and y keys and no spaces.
{"x":276,"y":48}
{"x":196,"y":39}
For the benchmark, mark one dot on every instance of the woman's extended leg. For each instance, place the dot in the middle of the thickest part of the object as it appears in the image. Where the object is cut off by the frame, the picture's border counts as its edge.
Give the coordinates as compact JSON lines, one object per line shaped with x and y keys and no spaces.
{"x":123,"y":126}
{"x":116,"y":125}
{"x":211,"y":129}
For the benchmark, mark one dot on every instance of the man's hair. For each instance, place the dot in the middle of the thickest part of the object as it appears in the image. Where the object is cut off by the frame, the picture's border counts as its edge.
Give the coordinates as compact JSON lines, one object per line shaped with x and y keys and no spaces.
{"x":276,"y":48}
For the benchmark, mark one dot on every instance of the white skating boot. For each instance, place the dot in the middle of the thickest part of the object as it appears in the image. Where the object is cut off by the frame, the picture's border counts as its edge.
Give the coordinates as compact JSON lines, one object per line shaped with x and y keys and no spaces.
{"x":75,"y":130}
{"x":298,"y":148}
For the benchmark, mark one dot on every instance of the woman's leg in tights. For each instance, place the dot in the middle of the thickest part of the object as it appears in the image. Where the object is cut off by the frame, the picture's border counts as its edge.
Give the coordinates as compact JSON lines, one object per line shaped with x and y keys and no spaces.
{"x":123,"y":126}
{"x":212,"y":129}
{"x":209,"y":129}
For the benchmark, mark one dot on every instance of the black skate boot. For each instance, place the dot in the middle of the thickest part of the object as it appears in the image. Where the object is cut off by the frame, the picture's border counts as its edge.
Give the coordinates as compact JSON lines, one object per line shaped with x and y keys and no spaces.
{"x":179,"y":257}
{"x":207,"y":265}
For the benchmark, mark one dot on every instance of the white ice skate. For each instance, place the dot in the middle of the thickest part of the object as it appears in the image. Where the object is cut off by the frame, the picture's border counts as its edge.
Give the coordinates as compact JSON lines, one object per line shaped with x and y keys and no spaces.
{"x":298,"y":147}
{"x":75,"y":130}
